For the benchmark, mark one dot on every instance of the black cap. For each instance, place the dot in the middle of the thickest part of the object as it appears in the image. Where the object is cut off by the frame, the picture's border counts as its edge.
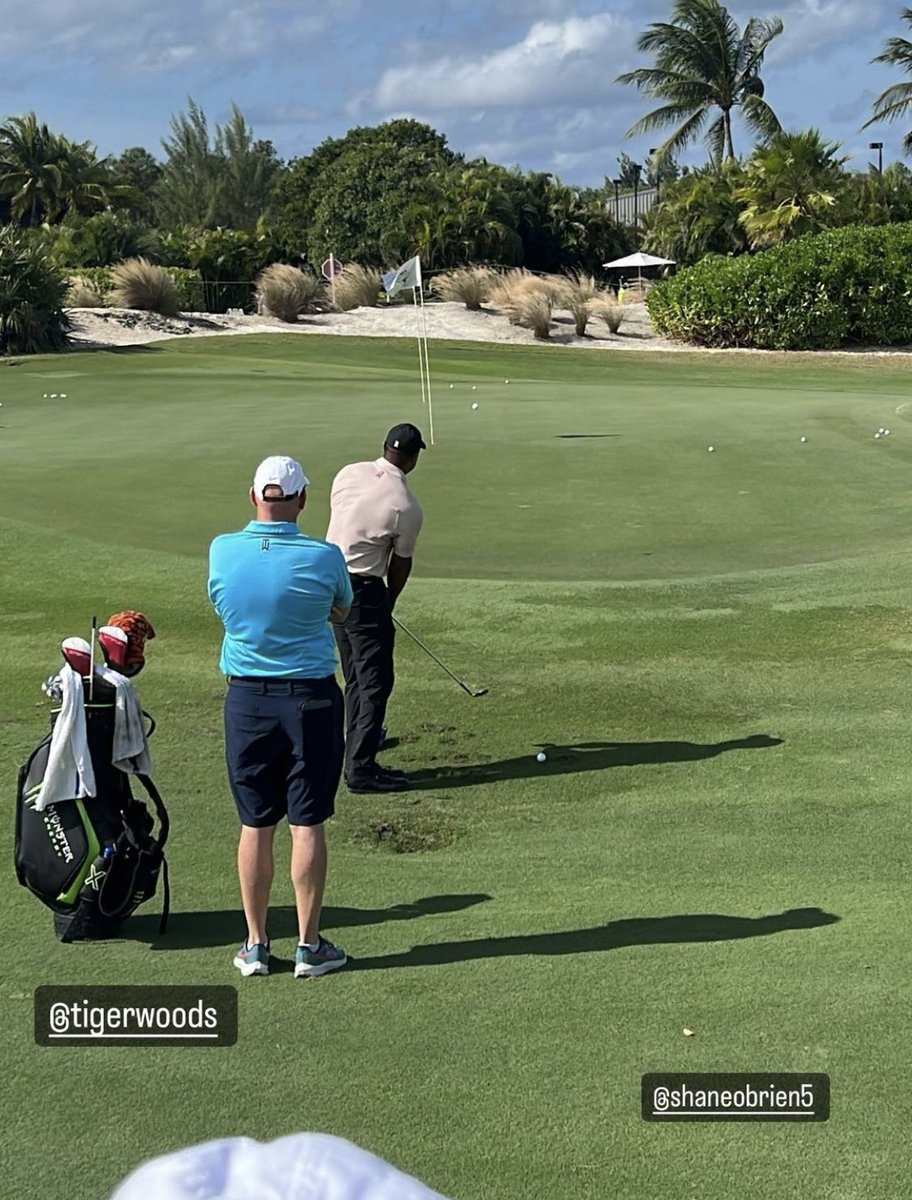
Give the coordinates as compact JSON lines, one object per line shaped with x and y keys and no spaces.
{"x":406,"y":439}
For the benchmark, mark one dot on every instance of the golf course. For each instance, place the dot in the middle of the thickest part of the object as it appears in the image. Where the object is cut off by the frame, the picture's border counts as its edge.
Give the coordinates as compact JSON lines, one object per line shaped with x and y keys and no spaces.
{"x":713,"y":649}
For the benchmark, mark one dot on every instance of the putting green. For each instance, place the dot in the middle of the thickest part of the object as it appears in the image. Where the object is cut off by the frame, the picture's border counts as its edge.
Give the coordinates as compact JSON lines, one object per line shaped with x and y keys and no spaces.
{"x":650,"y":613}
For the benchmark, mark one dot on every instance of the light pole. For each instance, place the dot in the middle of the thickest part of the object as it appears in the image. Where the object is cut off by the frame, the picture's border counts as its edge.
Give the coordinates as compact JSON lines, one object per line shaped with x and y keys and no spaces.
{"x":878,"y":146}
{"x":655,"y":172}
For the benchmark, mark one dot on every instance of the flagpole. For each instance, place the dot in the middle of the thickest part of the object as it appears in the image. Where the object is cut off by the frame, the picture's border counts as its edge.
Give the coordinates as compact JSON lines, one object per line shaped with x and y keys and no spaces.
{"x":420,"y":351}
{"x":427,"y":363}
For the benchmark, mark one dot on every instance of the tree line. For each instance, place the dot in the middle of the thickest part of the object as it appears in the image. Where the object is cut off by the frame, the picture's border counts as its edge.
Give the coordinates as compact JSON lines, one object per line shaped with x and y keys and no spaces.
{"x":221,"y":200}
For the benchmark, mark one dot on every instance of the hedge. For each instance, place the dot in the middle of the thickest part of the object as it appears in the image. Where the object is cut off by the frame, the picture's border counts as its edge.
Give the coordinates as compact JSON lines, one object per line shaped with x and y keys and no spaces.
{"x":189,"y":284}
{"x":845,"y":287}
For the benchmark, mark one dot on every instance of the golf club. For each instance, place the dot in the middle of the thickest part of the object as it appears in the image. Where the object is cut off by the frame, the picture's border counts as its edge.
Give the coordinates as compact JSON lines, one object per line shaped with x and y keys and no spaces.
{"x":113,"y":642}
{"x":78,"y":654}
{"x":92,"y":660}
{"x":474,"y":692}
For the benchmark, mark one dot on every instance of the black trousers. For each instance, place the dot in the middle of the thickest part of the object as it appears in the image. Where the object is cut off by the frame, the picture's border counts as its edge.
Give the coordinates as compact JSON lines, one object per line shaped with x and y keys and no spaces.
{"x":365,"y":642}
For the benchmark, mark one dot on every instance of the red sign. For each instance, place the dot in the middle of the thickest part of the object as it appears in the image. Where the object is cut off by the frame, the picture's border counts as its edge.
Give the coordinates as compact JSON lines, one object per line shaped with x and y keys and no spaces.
{"x":331,"y":268}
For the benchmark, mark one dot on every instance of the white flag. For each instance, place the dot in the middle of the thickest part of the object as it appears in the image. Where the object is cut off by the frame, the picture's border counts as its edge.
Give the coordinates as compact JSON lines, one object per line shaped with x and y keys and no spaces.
{"x":407,"y":276}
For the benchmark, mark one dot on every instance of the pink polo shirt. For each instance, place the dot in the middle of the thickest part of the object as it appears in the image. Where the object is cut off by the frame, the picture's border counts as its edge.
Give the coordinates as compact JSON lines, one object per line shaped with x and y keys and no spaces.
{"x":373,"y":515}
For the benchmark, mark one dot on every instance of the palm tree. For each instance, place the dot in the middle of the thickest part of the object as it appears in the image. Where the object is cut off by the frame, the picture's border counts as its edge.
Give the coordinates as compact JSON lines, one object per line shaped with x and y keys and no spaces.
{"x":704,"y":63}
{"x":791,"y":187}
{"x":896,"y":101}
{"x":30,"y":172}
{"x":699,"y":215}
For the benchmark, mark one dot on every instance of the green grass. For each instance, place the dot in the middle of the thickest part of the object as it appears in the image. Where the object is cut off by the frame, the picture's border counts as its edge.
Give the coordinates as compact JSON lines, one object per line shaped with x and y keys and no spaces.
{"x":644,"y":609}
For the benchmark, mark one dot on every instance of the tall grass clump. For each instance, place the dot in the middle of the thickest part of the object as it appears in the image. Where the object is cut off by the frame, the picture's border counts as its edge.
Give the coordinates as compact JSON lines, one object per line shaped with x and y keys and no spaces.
{"x":138,"y":284}
{"x":285,"y":292}
{"x":527,"y":301}
{"x":611,"y":313}
{"x":471,"y":286}
{"x":580,"y":294}
{"x":357,"y":287}
{"x":81,"y":294}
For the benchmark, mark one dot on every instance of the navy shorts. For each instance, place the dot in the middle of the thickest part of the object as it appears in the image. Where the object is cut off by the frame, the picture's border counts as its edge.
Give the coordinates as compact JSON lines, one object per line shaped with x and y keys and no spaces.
{"x":284,"y":747}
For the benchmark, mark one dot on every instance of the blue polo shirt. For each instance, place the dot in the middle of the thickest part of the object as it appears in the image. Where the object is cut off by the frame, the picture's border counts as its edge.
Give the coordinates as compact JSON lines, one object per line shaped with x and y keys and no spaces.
{"x":273,"y":588}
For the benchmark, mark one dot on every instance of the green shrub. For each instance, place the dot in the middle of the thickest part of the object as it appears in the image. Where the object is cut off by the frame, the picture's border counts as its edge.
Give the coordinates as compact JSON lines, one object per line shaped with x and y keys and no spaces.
{"x":139,"y":284}
{"x":285,"y":292}
{"x":849,"y":286}
{"x":32,"y":317}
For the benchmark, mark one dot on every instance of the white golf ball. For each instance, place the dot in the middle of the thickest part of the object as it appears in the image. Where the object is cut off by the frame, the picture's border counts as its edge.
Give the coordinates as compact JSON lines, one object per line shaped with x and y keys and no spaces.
{"x":886,"y":433}
{"x":451,"y":387}
{"x":63,"y":395}
{"x":45,"y":396}
{"x":506,"y":381}
{"x":881,"y":430}
{"x":475,"y":405}
{"x":804,"y":439}
{"x":53,"y":395}
{"x":473,"y":387}
{"x":876,"y":435}
{"x":710,"y":448}
{"x":541,"y":756}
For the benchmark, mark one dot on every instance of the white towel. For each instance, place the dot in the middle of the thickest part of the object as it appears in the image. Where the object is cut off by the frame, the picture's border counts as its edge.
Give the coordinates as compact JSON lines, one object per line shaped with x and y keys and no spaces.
{"x":131,"y":748}
{"x":301,"y":1166}
{"x":69,"y":774}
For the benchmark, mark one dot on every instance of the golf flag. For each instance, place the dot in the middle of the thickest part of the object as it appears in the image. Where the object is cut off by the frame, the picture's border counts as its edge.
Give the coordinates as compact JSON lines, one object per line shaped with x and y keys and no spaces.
{"x":407,"y":276}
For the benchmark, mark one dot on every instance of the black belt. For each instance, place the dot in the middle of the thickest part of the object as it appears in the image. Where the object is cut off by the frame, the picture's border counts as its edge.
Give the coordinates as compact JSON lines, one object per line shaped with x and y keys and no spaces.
{"x":274,"y":685}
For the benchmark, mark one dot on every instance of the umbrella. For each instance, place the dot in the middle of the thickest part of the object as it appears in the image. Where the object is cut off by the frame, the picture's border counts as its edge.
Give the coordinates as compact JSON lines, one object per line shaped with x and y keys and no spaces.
{"x":640,"y":260}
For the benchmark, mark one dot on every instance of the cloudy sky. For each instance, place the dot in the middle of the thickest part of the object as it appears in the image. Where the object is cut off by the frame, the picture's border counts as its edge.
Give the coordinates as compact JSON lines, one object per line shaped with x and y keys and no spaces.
{"x":518,"y":81}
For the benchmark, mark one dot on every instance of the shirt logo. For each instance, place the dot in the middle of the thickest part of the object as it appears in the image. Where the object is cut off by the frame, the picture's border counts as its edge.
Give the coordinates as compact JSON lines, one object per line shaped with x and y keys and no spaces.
{"x":264,"y":545}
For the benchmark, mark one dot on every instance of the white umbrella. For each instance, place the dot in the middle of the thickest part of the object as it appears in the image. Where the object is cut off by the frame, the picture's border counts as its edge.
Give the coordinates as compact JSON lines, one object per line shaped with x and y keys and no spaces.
{"x":640,"y":260}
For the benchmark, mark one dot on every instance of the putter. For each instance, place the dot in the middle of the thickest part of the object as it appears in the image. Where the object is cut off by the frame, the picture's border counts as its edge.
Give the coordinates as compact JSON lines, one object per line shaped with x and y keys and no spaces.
{"x":113,"y":642}
{"x":78,"y":654}
{"x":474,"y":692}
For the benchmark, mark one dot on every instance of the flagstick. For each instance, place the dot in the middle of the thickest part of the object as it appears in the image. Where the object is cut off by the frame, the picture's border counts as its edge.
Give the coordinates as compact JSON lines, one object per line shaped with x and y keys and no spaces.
{"x":427,"y":364}
{"x":420,"y":351}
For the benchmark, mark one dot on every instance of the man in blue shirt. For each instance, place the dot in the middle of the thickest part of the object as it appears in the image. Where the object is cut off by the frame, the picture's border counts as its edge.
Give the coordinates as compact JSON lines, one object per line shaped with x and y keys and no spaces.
{"x":276,"y":591}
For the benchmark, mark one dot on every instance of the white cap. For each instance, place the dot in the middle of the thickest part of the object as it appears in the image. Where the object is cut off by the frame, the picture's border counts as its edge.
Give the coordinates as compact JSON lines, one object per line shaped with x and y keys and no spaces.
{"x":300,"y":1166}
{"x":279,"y":471}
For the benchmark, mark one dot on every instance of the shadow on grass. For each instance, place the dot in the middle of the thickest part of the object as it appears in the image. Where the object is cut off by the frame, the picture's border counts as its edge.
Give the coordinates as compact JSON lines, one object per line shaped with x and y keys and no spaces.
{"x":636,"y":931}
{"x":84,"y":347}
{"x":582,"y":756}
{"x":225,"y":927}
{"x":568,"y":436}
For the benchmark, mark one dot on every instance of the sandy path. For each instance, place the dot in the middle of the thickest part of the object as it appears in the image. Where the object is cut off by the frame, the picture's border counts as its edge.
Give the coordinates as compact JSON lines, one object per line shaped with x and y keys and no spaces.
{"x":102,"y":327}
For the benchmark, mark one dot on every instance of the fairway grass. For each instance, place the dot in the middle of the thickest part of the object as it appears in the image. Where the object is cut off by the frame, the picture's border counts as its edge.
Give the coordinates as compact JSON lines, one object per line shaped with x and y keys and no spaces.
{"x":714,"y":651}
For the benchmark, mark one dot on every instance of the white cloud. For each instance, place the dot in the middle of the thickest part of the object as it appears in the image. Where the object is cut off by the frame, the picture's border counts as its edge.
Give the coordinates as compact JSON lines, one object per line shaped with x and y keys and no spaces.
{"x":813,"y":27}
{"x":166,"y":35}
{"x":556,"y":62}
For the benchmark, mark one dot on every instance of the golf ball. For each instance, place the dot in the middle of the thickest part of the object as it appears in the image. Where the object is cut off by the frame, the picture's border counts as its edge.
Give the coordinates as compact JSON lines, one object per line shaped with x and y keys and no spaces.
{"x":451,"y":387}
{"x":804,"y":439}
{"x":45,"y":396}
{"x":877,"y":435}
{"x":886,"y":433}
{"x":506,"y":381}
{"x":710,"y":448}
{"x":541,"y":756}
{"x":53,"y":395}
{"x":63,"y":395}
{"x":473,"y":387}
{"x":475,"y":405}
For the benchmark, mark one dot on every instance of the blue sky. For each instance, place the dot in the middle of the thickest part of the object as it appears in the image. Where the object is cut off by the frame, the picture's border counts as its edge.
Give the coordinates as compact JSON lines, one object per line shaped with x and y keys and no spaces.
{"x":518,"y":81}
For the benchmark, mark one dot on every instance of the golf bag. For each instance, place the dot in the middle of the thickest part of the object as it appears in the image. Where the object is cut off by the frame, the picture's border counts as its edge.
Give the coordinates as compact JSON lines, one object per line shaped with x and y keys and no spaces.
{"x":92,"y":861}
